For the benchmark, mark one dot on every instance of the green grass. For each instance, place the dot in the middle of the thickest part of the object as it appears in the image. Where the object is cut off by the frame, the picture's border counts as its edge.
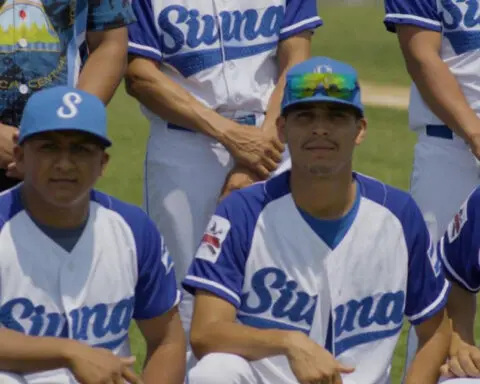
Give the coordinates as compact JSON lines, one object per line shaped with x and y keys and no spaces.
{"x":356,"y":35}
{"x":385,"y":154}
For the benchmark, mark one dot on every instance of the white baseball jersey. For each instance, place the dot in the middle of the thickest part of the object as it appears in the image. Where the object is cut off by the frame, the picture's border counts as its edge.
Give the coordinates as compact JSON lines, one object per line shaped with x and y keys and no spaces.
{"x":119,"y":270}
{"x":346,"y":283}
{"x":222,"y":52}
{"x":460,"y":50}
{"x":460,"y":245}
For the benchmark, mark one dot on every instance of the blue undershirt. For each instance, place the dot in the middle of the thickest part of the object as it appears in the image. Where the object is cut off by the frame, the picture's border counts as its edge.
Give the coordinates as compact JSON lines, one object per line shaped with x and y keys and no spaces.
{"x":332,"y":232}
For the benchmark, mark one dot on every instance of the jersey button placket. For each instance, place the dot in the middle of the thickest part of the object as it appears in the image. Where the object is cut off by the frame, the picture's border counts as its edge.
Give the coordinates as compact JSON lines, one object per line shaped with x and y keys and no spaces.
{"x":66,"y":277}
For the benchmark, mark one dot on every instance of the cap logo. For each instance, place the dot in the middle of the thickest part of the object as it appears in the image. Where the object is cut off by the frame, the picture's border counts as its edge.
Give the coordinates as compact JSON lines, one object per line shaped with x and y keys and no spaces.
{"x":323,"y":69}
{"x":68,"y":109}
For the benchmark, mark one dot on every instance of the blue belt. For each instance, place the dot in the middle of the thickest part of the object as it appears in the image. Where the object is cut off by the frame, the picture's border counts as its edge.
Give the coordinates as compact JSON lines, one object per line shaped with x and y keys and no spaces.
{"x":441,"y":131}
{"x":244,"y":120}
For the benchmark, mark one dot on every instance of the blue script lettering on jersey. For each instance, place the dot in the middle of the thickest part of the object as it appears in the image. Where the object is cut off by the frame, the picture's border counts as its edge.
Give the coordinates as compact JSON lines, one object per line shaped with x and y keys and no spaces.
{"x":182,"y":27}
{"x":467,"y":37}
{"x":293,"y":309}
{"x":384,"y":310}
{"x":22,"y":315}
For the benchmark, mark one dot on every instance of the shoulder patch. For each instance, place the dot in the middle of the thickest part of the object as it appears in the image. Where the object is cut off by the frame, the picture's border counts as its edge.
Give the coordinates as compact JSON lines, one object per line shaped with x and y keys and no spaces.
{"x":211,"y":245}
{"x":456,"y":225}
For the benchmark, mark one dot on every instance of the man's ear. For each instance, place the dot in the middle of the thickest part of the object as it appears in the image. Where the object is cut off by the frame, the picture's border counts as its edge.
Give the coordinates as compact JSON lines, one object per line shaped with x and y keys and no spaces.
{"x":282,"y":135}
{"x":362,"y":130}
{"x":105,"y":160}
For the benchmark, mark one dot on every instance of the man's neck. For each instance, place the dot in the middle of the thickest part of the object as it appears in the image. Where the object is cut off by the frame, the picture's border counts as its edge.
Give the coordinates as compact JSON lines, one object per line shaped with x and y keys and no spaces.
{"x":324,"y":198}
{"x":52,"y":216}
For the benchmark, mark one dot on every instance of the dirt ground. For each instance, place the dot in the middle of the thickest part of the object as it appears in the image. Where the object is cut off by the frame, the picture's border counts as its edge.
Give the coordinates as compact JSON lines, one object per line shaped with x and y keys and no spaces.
{"x":385,"y":96}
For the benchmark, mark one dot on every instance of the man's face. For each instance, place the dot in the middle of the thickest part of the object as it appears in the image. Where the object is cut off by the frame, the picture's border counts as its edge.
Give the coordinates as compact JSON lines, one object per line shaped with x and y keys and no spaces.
{"x":61,"y":166}
{"x":321,"y":137}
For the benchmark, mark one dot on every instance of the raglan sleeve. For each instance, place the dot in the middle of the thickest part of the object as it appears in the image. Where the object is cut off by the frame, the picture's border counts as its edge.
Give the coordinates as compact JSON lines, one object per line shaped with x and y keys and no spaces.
{"x":144,"y":35}
{"x":219,"y":263}
{"x":104,"y":15}
{"x":459,"y":247}
{"x":420,"y":13}
{"x":427,"y":286}
{"x":300,"y":16}
{"x":156,"y":291}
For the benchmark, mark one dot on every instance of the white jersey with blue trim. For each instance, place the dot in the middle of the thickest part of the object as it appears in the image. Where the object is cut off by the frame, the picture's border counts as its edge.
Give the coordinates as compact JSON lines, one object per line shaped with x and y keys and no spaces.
{"x":346,"y":283}
{"x":119,"y":270}
{"x":459,"y":247}
{"x":457,"y":21}
{"x":222,"y":52}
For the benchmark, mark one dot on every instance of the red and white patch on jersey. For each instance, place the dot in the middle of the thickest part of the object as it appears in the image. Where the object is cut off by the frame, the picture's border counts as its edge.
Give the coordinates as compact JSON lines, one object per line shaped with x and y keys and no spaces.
{"x":456,"y":225}
{"x":211,"y":245}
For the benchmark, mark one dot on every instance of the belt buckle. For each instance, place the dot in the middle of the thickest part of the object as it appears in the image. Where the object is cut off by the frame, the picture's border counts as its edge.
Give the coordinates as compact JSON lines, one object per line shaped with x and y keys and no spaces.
{"x":246,"y":120}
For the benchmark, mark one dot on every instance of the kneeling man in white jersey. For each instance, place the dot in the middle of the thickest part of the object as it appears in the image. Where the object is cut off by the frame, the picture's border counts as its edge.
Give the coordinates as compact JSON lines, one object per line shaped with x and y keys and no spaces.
{"x":78,"y":265}
{"x":460,"y":249}
{"x":306,"y":278}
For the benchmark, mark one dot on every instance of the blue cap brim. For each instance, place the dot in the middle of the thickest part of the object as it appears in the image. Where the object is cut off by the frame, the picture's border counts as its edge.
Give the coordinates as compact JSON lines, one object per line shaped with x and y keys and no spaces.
{"x":103,"y":140}
{"x":323,"y":99}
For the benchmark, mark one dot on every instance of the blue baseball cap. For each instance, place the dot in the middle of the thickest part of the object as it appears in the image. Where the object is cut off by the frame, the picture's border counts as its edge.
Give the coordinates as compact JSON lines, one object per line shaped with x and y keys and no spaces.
{"x":64,"y":108}
{"x":322,"y":79}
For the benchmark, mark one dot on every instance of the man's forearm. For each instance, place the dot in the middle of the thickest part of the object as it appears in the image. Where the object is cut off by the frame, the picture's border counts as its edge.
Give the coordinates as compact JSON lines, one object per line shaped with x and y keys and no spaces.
{"x":105,"y":67}
{"x":27,"y":354}
{"x":172,"y":102}
{"x":442,"y":93}
{"x":461,"y":309}
{"x":431,"y":354}
{"x":165,"y":365}
{"x":250,"y":343}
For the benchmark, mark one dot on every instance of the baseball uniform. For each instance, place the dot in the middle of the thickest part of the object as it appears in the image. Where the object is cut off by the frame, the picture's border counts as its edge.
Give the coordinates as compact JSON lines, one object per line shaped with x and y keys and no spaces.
{"x":85,"y":283}
{"x":345,"y":283}
{"x":223,"y":53}
{"x":444,"y":170}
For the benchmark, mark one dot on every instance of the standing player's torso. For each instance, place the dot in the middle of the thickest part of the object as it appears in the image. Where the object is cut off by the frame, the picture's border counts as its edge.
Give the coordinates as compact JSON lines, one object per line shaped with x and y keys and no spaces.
{"x":351,"y":298}
{"x":39,"y":41}
{"x":224,"y":50}
{"x":460,"y":50}
{"x":87,"y":295}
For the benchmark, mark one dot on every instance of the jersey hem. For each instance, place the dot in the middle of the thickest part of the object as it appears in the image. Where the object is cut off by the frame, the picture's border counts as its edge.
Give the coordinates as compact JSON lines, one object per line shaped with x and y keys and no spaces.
{"x":192,"y":283}
{"x":434,"y":307}
{"x":145,"y":51}
{"x":452,"y":274}
{"x":304,"y":25}
{"x":392,"y":19}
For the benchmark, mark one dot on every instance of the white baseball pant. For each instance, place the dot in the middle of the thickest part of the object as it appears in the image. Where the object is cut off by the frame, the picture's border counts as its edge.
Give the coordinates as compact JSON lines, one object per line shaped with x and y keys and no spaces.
{"x":444,"y":173}
{"x":184,"y":174}
{"x":59,"y":376}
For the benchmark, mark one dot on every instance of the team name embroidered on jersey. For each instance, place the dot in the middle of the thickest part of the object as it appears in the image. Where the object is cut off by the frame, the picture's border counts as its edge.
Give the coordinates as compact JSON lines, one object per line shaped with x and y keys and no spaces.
{"x":212,"y":240}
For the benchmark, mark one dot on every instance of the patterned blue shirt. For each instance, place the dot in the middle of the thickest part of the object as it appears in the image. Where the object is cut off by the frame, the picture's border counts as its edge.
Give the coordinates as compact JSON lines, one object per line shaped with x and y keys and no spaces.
{"x":42,"y":43}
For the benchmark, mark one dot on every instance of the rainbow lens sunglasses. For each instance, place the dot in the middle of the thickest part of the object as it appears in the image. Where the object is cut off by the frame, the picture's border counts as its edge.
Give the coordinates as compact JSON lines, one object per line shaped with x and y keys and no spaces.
{"x":307,"y":85}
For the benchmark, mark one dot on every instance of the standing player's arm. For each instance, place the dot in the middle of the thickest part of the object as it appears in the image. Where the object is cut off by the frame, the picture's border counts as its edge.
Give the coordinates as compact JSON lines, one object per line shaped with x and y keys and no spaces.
{"x":106,"y":62}
{"x":165,"y":339}
{"x":437,"y":85}
{"x":434,"y":335}
{"x":290,"y":52}
{"x":169,"y":100}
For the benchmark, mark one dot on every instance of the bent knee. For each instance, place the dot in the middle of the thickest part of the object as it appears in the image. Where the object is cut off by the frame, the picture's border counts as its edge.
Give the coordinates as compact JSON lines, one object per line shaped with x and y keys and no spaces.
{"x":221,"y":368}
{"x":11,"y":378}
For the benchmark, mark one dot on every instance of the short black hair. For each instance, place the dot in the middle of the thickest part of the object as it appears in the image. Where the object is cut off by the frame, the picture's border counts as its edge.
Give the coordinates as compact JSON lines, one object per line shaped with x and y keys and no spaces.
{"x":305,"y":106}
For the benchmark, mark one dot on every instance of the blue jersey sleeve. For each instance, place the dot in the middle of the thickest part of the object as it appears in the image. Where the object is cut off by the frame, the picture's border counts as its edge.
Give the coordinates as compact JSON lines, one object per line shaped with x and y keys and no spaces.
{"x":219,"y":263}
{"x":300,"y":15}
{"x":420,"y":13}
{"x":103,"y":15}
{"x":459,"y":247}
{"x":156,"y":291}
{"x":143,"y":36}
{"x":427,"y":287}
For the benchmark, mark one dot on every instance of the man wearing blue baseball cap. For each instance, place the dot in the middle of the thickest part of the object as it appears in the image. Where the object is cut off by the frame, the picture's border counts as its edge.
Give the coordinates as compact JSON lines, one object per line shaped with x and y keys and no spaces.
{"x":78,"y":265}
{"x":306,"y":278}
